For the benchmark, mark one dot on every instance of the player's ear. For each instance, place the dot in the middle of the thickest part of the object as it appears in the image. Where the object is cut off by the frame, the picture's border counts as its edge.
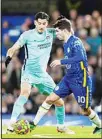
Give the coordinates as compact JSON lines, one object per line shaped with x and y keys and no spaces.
{"x":35,"y":22}
{"x":65,"y":30}
{"x":72,"y":31}
{"x":47,"y":23}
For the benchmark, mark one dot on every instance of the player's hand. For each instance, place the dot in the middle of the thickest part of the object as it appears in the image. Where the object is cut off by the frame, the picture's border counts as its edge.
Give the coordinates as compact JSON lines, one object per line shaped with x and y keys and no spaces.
{"x":55,"y":63}
{"x":7,"y":61}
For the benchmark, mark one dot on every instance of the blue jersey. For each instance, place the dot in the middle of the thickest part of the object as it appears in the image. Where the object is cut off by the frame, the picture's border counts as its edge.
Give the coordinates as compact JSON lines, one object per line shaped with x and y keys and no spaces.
{"x":75,"y":57}
{"x":76,"y":80}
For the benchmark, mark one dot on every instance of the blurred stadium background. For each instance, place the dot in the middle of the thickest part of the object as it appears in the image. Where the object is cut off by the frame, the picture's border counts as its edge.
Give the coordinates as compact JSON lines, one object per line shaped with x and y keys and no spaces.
{"x":17,"y":17}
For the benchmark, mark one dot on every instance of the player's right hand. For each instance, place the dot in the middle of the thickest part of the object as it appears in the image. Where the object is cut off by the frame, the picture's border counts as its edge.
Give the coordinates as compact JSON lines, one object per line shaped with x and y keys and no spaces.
{"x":55,"y":63}
{"x":7,"y":61}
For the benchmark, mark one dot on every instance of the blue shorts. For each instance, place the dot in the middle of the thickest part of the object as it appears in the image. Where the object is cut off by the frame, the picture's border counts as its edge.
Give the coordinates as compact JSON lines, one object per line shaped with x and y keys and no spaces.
{"x":82,"y":91}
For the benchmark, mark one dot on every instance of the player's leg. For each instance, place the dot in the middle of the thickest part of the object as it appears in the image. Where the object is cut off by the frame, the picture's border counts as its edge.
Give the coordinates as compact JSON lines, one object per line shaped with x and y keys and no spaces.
{"x":83,"y":96}
{"x":55,"y":98}
{"x":47,"y":88}
{"x":18,"y":105}
{"x":94,"y":118}
{"x":59,"y":107}
{"x":87,"y":109}
{"x":60,"y":110}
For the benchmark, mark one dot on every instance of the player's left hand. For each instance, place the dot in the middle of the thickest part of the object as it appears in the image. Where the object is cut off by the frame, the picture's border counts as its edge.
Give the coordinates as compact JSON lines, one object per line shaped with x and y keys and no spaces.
{"x":55,"y":63}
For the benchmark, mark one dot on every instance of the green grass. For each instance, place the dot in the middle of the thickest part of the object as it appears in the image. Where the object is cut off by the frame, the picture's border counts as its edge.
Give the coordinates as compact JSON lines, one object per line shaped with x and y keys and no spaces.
{"x":50,"y":132}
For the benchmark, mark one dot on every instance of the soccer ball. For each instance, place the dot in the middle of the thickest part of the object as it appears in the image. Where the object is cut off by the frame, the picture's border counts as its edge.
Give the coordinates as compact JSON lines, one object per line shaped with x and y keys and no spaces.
{"x":22,"y":127}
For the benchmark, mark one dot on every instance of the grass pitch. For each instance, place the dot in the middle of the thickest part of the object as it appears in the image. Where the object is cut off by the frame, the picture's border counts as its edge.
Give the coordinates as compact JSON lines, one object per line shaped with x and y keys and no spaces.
{"x":50,"y":132}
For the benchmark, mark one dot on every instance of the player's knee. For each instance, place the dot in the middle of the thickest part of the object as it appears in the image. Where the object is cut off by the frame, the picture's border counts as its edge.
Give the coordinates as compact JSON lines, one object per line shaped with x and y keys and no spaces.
{"x":49,"y":100}
{"x":86,"y":111}
{"x":25,"y":89}
{"x":25,"y":93}
{"x":59,"y":103}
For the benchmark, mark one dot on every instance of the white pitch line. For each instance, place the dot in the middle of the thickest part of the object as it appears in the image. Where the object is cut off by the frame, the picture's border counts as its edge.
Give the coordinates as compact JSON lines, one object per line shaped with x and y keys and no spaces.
{"x":5,"y":132}
{"x":45,"y":136}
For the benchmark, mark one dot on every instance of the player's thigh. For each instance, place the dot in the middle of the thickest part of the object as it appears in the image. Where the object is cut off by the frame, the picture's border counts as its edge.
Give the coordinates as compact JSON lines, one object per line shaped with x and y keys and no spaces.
{"x":47,"y":86}
{"x":26,"y":83}
{"x":71,"y":98}
{"x":82,"y":95}
{"x":62,"y":89}
{"x":25,"y":88}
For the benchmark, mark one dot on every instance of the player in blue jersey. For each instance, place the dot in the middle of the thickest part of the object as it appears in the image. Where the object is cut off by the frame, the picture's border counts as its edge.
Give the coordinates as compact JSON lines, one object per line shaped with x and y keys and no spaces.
{"x":76,"y":79}
{"x":38,"y":44}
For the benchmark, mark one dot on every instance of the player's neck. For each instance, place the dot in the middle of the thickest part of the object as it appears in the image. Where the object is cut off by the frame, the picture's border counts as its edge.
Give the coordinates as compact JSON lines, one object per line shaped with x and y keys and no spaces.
{"x":40,"y":33}
{"x":67,"y":36}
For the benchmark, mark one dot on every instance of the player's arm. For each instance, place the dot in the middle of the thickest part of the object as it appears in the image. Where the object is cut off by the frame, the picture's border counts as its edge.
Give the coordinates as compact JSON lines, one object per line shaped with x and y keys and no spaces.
{"x":12,"y":50}
{"x":78,"y":56}
{"x":10,"y":53}
{"x":20,"y":42}
{"x":53,"y":31}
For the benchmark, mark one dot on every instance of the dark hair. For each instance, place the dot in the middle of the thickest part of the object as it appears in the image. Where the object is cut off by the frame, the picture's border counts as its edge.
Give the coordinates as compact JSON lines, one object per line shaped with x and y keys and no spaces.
{"x":63,"y":23}
{"x":42,"y":15}
{"x":60,"y":17}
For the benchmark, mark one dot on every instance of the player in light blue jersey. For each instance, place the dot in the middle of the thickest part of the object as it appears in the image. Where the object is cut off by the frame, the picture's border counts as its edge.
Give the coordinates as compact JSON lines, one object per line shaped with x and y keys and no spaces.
{"x":38,"y":44}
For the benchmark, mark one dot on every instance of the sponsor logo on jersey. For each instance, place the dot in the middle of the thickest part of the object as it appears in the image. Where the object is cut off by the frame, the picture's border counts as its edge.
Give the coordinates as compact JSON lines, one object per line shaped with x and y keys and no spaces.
{"x":26,"y":79}
{"x":46,"y":45}
{"x":47,"y":37}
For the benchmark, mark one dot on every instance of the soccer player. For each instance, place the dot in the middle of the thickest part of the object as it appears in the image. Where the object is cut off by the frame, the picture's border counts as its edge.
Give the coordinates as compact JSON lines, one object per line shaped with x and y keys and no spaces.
{"x":38,"y":44}
{"x":76,"y":79}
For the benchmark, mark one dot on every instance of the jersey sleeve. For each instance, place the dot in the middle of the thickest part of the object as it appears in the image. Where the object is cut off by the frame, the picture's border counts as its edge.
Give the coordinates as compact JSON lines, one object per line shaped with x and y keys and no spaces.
{"x":52,"y":30}
{"x":54,"y":33}
{"x":77,"y":54}
{"x":22,"y":39}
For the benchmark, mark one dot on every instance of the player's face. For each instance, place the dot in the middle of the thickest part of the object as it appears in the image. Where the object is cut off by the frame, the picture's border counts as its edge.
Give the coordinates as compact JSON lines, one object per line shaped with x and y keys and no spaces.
{"x":60,"y":34}
{"x":41,"y":25}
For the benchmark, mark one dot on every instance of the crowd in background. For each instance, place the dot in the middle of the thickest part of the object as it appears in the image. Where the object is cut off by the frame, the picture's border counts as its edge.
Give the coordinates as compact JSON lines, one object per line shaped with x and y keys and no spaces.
{"x":87,"y":28}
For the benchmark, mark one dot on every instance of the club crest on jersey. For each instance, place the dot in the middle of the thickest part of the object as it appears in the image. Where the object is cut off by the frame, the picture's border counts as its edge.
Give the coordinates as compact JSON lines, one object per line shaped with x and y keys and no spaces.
{"x":26,"y":79}
{"x":68,"y":66}
{"x":68,"y":49}
{"x":66,"y":57}
{"x":56,"y":88}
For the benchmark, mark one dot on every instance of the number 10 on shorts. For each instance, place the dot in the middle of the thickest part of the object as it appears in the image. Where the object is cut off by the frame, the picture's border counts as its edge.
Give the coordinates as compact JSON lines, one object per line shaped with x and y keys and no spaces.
{"x":81,"y":99}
